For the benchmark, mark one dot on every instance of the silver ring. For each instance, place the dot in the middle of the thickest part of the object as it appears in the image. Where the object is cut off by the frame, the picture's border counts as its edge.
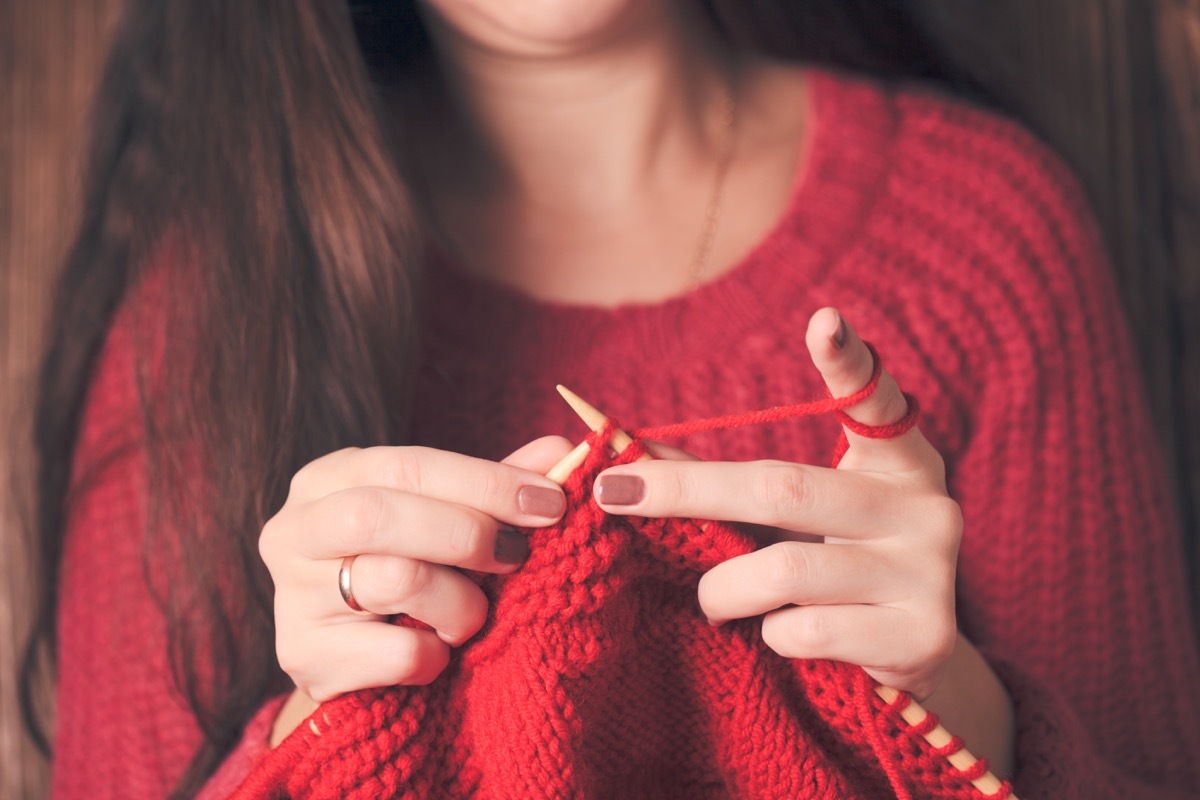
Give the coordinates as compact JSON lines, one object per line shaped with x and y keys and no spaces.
{"x":344,"y":587}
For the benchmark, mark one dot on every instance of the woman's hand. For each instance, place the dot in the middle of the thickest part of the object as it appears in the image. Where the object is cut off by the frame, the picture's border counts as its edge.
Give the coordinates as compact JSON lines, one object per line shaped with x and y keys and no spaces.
{"x":411,"y":516}
{"x":862,"y":566}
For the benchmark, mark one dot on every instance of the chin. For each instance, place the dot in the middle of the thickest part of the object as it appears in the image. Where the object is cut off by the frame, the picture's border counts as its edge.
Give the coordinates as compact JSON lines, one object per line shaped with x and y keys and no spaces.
{"x":546,"y":26}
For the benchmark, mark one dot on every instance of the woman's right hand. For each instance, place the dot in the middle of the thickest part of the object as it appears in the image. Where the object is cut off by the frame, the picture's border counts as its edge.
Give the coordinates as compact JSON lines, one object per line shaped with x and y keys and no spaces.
{"x":411,"y":515}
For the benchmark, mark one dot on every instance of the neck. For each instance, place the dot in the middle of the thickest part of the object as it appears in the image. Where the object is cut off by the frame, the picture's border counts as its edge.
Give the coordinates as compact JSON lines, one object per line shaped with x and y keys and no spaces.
{"x":586,"y":126}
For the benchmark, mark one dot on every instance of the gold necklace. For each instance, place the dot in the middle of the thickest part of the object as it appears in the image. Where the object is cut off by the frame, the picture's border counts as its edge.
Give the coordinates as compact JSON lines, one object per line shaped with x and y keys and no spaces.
{"x":712,"y":212}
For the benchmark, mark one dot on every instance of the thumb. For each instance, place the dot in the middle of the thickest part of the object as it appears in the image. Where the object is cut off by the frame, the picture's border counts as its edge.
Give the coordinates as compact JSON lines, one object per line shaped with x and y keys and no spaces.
{"x":540,"y":454}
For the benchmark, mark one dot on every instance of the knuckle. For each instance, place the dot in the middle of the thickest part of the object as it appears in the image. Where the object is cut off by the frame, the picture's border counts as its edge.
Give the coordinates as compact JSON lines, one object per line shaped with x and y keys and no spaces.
{"x":466,"y":541}
{"x":927,"y":650}
{"x":279,"y":538}
{"x":788,"y":565}
{"x":920,"y":675}
{"x":811,"y":631}
{"x":268,"y":540}
{"x":300,"y":483}
{"x":291,"y":659}
{"x":669,"y":487}
{"x":404,"y":468}
{"x":405,"y":579}
{"x":493,"y":490}
{"x":783,"y":490}
{"x":944,"y":518}
{"x":359,"y":512}
{"x":943,"y":640}
{"x":679,"y":487}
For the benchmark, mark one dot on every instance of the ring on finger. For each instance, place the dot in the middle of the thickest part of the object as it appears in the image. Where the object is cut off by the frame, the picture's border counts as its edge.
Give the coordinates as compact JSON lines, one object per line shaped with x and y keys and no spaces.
{"x":345,"y":589}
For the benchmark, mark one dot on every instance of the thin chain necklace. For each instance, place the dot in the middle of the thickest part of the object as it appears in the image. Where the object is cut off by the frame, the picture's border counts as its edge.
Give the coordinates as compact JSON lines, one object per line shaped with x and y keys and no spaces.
{"x":712,"y":212}
{"x":451,"y":243}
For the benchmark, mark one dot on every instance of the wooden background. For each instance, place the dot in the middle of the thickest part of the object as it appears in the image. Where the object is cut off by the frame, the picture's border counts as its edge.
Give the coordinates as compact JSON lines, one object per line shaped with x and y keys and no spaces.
{"x":1113,"y":84}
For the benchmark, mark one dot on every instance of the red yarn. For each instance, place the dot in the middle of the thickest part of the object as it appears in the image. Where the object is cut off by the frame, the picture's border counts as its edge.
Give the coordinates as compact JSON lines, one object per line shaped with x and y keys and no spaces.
{"x":953,"y":746}
{"x":597,"y":676}
{"x":866,"y":713}
{"x":947,"y":233}
{"x":811,"y":408}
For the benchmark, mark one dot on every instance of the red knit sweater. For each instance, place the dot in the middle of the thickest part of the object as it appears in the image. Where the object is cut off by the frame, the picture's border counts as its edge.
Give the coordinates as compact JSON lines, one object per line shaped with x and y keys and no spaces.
{"x":948,"y":237}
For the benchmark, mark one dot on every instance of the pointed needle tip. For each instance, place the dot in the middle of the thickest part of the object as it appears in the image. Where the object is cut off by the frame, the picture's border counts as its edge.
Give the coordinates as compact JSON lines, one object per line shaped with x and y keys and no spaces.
{"x":588,"y":413}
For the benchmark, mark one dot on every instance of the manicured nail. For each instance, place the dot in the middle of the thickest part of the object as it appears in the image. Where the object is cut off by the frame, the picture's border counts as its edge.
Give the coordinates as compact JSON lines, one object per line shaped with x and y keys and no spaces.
{"x":620,"y":490}
{"x":839,"y":336}
{"x":511,"y":547}
{"x":541,"y":501}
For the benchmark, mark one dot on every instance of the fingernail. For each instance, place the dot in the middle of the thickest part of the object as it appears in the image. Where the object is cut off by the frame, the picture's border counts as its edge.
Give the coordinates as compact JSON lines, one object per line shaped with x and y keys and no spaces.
{"x":620,"y":490}
{"x":511,"y":547}
{"x":541,"y":501}
{"x":839,"y":336}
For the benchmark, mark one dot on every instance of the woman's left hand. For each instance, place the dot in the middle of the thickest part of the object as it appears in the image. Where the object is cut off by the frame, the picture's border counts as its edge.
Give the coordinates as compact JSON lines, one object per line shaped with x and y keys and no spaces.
{"x":863,"y":562}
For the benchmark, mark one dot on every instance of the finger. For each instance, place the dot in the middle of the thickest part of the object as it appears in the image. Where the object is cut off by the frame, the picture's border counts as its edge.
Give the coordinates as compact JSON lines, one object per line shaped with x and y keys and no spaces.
{"x":441,"y":597}
{"x":379,"y":521}
{"x":794,"y":573}
{"x":540,"y":454}
{"x":896,"y":647}
{"x":337,"y":659}
{"x":666,"y":452}
{"x":796,"y":497}
{"x":517,"y":496}
{"x":846,"y":365}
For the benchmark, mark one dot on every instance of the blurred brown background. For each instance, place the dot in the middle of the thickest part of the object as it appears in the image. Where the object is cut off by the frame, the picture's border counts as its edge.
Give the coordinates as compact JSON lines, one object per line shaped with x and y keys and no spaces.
{"x":1113,"y":84}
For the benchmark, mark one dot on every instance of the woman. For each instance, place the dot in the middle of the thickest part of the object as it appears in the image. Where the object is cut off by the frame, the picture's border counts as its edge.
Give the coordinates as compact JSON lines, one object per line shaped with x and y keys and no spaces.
{"x":283,"y":259}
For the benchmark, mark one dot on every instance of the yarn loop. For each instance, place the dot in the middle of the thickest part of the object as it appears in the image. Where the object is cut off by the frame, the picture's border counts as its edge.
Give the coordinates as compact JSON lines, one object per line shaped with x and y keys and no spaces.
{"x":597,"y":676}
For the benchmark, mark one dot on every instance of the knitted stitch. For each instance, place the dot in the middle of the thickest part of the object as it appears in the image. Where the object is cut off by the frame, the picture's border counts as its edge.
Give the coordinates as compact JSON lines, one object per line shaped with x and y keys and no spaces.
{"x":597,"y":676}
{"x":947,"y":235}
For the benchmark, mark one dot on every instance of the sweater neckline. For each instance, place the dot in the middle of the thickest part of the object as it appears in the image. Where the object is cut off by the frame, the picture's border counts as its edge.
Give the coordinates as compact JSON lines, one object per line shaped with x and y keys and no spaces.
{"x":838,"y":169}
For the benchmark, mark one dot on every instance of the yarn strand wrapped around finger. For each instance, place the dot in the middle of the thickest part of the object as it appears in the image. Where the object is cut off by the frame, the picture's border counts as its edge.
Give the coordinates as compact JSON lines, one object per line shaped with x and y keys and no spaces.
{"x":594,"y":658}
{"x":920,"y":720}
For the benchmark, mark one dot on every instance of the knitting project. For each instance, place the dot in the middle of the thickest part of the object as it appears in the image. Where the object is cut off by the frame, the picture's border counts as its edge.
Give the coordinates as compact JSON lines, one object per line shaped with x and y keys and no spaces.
{"x":597,"y":676}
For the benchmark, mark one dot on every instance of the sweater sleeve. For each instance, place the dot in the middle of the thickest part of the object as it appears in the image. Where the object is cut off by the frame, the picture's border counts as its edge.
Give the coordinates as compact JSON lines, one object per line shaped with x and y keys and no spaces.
{"x":1071,"y":577}
{"x":124,"y":731}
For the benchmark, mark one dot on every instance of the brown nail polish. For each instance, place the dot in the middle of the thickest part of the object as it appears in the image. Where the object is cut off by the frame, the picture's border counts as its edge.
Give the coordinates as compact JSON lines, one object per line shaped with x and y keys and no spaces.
{"x":541,"y":501}
{"x":511,"y":547}
{"x":620,"y":490}
{"x":839,"y":336}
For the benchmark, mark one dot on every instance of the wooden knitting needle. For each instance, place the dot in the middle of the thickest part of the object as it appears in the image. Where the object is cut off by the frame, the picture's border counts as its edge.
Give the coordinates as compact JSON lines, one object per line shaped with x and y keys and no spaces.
{"x":594,"y":420}
{"x":569,"y":463}
{"x":912,"y":713}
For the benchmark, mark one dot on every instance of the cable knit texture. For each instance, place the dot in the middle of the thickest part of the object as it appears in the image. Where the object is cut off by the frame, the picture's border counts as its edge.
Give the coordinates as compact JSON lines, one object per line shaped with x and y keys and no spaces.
{"x":947,"y":236}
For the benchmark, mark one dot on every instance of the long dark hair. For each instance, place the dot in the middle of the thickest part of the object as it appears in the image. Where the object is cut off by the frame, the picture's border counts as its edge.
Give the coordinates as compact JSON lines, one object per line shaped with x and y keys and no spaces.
{"x":239,"y":156}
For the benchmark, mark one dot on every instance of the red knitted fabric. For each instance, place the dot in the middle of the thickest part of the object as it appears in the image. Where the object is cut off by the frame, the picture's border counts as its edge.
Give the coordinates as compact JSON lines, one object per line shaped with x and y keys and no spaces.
{"x":599,"y":677}
{"x":946,"y":235}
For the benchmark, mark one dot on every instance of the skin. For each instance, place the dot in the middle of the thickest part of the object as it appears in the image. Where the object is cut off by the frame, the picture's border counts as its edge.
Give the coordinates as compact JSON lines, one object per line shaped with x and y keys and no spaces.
{"x":561,"y":123}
